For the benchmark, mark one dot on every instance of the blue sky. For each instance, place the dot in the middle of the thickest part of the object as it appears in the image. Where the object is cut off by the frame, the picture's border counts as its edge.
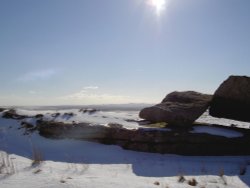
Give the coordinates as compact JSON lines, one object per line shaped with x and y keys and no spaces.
{"x":55,"y":52}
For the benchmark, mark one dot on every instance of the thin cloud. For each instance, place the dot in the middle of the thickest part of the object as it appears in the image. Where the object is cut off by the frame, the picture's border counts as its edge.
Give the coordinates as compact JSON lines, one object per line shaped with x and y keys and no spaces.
{"x":89,"y":97}
{"x":91,"y":88}
{"x":38,"y":75}
{"x":83,"y":95}
{"x":78,"y":95}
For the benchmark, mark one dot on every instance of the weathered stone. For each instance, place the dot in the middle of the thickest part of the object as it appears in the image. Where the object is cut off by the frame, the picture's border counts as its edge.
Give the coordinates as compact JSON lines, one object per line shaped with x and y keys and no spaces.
{"x":88,"y":110}
{"x":187,"y":97}
{"x":178,"y":108}
{"x":2,"y":109}
{"x":38,"y":116}
{"x":176,"y":141}
{"x":26,"y":125}
{"x":55,"y":115}
{"x":232,"y":99}
{"x":11,"y":114}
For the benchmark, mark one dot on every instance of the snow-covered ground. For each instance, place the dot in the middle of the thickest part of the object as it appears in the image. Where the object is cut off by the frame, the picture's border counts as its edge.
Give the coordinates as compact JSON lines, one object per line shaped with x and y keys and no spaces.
{"x":206,"y":118}
{"x":74,"y":163}
{"x":106,"y":116}
{"x":149,"y":173}
{"x":75,"y":115}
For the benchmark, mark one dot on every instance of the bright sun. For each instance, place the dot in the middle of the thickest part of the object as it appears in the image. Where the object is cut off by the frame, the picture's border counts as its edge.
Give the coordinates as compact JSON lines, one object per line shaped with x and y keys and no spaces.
{"x":159,"y":5}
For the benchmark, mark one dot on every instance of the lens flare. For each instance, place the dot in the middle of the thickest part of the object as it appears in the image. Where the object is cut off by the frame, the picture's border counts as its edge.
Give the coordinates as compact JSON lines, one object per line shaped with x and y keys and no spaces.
{"x":159,"y":5}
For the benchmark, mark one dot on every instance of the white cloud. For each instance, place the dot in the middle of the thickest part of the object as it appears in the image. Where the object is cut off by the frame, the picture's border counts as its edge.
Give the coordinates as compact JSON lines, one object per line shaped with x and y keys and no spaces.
{"x":85,"y":97}
{"x":91,"y":88}
{"x":78,"y":95}
{"x":37,"y":75}
{"x":79,"y":98}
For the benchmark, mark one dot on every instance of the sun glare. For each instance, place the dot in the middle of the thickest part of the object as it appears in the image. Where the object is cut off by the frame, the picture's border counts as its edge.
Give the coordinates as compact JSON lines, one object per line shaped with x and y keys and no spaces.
{"x":159,"y":5}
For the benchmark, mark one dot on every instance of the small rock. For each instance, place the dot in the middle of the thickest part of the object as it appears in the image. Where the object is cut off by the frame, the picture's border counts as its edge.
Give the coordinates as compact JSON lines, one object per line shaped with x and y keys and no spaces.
{"x":27,"y":125}
{"x":89,"y":111}
{"x":55,"y":115}
{"x":156,"y":183}
{"x":181,"y":179}
{"x":11,"y":114}
{"x":39,"y":116}
{"x":2,"y":109}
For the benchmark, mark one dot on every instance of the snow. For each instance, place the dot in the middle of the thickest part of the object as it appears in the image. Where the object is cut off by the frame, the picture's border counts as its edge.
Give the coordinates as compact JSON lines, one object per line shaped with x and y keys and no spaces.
{"x":217,"y":131}
{"x":105,"y":116}
{"x":74,"y":163}
{"x":56,"y":174}
{"x":98,"y":117}
{"x":206,"y":118}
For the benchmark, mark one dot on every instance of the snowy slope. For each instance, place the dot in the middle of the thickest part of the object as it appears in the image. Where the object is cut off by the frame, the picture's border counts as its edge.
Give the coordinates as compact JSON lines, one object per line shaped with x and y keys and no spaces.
{"x":72,"y":163}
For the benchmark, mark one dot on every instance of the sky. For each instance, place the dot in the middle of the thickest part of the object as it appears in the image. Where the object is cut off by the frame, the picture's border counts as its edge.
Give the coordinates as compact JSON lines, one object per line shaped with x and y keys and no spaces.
{"x":76,"y":52}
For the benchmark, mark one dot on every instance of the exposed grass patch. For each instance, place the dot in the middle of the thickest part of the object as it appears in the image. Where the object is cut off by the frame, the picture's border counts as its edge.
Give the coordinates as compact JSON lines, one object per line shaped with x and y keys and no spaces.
{"x":243,"y":168}
{"x":37,"y":156}
{"x":181,"y":179}
{"x":224,"y":180}
{"x":204,"y":170}
{"x":37,"y":171}
{"x":157,"y":125}
{"x":221,"y":172}
{"x":6,"y":164}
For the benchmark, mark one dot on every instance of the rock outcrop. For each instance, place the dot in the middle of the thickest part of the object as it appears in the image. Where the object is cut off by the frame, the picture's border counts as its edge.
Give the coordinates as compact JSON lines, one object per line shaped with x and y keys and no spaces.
{"x":2,"y":109}
{"x":11,"y":114}
{"x":176,"y":141}
{"x":178,"y":108}
{"x":88,"y":110}
{"x":232,"y":99}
